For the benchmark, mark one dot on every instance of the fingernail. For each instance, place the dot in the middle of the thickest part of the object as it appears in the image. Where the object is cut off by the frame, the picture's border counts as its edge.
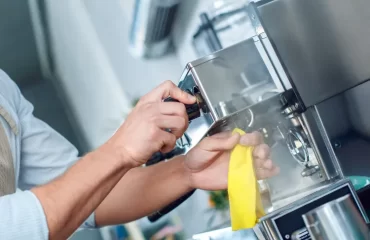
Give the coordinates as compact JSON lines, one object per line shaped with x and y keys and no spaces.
{"x":191,"y":97}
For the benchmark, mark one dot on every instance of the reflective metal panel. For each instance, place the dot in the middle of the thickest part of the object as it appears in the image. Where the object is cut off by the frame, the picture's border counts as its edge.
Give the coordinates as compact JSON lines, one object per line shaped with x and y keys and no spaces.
{"x":324,"y":44}
{"x":346,"y":119}
{"x":337,"y":220}
{"x":238,"y":90}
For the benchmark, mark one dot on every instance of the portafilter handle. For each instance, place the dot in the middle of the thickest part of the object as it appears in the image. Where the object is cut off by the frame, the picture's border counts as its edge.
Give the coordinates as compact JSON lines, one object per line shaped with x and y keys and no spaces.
{"x":157,"y":215}
{"x":193,"y":112}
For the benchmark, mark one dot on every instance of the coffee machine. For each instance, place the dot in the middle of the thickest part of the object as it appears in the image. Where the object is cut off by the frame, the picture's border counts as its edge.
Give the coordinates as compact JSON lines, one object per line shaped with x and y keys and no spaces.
{"x":302,"y":81}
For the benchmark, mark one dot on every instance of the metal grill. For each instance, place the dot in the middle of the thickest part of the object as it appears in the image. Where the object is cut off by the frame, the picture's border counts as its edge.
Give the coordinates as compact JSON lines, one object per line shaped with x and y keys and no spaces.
{"x":161,"y":24}
{"x":151,"y":27}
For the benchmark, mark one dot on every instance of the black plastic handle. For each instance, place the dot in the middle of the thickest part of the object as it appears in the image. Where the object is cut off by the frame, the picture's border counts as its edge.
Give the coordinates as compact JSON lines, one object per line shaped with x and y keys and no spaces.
{"x":156,"y":158}
{"x":157,"y":215}
{"x":193,"y":110}
{"x":159,"y":157}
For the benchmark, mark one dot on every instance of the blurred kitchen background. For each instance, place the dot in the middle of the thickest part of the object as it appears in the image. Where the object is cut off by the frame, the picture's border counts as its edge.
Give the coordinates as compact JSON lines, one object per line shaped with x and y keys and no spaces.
{"x":84,"y":63}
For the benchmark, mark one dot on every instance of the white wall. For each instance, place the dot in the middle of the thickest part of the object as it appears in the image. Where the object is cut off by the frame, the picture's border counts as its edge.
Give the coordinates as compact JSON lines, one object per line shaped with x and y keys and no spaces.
{"x":112,"y":20}
{"x":86,"y":75}
{"x":99,"y":76}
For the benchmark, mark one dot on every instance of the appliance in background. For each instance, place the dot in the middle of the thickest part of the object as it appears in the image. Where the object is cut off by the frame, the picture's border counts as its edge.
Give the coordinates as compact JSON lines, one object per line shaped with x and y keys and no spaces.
{"x":225,"y":24}
{"x":150,"y":34}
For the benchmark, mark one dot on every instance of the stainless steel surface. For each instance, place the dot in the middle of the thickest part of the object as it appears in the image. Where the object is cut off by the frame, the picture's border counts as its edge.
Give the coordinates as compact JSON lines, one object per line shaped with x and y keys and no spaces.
{"x":336,"y":220}
{"x":302,"y":198}
{"x":223,"y":77}
{"x":226,"y":234}
{"x":346,"y":120}
{"x":323,"y":44}
{"x":229,"y":81}
{"x":315,"y":145}
{"x":254,"y":104}
{"x":309,"y":171}
{"x":260,"y":31}
{"x":151,"y":26}
{"x":260,"y":233}
{"x":320,"y":143}
{"x":265,"y":193}
{"x":268,"y":227}
{"x":297,"y":146}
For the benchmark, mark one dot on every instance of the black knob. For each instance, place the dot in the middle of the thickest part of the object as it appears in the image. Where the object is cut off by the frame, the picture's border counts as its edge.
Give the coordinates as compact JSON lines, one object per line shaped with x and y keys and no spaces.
{"x":193,"y":110}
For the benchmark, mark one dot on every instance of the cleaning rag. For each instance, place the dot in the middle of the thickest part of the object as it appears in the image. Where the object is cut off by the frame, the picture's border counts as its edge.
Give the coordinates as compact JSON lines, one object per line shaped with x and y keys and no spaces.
{"x":244,"y":197}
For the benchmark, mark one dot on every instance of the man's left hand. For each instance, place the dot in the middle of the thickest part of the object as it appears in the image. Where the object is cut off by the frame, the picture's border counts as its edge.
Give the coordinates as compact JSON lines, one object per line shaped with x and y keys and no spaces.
{"x":208,"y":162}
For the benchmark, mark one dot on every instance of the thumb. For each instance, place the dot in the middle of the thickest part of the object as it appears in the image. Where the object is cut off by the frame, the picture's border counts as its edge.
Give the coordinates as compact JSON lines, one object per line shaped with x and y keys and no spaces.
{"x":169,"y":89}
{"x":219,"y":143}
{"x":175,"y":92}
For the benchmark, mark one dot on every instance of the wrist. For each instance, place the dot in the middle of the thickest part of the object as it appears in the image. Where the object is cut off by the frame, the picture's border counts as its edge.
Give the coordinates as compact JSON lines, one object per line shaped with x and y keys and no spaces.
{"x":110,"y":154}
{"x":187,"y":174}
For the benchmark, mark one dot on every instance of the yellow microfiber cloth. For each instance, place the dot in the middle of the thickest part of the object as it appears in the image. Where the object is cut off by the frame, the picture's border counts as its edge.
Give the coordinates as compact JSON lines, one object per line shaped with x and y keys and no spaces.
{"x":244,"y":197}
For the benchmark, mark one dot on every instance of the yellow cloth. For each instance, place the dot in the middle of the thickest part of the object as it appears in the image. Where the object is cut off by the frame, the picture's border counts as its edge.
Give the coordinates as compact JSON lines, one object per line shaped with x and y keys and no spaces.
{"x":244,"y":197}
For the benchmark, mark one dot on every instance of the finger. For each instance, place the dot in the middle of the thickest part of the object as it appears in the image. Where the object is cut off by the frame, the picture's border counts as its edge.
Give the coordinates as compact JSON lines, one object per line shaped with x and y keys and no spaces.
{"x":258,"y":162}
{"x":225,"y":134}
{"x":263,"y":163}
{"x":173,"y":108}
{"x":168,"y":141}
{"x":262,"y":151}
{"x":251,"y":139}
{"x":262,"y":173}
{"x":268,"y":164}
{"x":176,"y":124}
{"x":169,"y":89}
{"x":220,"y":144}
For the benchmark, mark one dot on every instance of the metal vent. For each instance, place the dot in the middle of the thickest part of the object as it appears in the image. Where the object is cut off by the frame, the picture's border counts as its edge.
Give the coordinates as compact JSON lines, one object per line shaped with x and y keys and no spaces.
{"x":151,"y":27}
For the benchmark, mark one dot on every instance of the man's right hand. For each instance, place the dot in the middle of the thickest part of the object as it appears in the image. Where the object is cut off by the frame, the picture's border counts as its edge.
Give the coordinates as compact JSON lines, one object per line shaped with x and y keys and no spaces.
{"x":145,"y":131}
{"x":87,"y":183}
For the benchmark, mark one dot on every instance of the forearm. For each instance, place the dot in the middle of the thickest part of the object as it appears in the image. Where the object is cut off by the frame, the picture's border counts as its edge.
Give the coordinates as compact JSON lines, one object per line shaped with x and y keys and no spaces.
{"x":70,"y":199}
{"x":142,"y":191}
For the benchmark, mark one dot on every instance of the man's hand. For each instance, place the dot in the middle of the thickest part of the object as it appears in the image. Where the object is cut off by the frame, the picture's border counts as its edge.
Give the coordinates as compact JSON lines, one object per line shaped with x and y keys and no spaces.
{"x":208,"y":162}
{"x":204,"y":167}
{"x":145,"y":131}
{"x":88,"y":182}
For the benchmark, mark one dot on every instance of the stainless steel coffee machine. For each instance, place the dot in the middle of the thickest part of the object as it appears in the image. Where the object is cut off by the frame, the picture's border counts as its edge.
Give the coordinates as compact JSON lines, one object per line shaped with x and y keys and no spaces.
{"x":302,"y":81}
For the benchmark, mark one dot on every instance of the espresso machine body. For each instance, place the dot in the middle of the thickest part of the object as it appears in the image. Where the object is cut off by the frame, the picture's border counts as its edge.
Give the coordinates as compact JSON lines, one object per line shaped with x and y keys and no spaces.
{"x":237,"y":89}
{"x":302,"y":81}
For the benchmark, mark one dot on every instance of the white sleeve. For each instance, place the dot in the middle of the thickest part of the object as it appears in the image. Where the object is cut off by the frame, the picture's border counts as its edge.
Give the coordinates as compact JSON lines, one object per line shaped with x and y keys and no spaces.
{"x":22,"y":217}
{"x":45,"y":154}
